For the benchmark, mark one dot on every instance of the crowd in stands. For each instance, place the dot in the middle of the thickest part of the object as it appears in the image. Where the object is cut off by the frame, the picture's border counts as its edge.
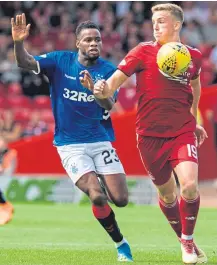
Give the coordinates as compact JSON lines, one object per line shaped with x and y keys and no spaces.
{"x":24,"y":97}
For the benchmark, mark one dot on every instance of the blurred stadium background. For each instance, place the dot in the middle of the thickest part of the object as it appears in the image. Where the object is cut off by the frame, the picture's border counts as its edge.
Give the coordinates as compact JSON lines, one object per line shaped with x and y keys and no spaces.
{"x":26,"y":119}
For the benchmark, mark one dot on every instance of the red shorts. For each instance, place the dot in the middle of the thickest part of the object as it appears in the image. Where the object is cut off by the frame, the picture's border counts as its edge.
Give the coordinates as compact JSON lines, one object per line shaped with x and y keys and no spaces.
{"x":161,"y":155}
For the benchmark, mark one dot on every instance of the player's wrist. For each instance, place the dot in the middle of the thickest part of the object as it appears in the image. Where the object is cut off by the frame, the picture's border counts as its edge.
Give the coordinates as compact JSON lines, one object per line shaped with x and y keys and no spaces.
{"x":99,"y":98}
{"x":18,"y":42}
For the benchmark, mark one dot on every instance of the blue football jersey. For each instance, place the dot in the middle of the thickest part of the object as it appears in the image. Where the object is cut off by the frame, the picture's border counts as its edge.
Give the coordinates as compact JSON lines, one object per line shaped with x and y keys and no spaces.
{"x":107,"y":122}
{"x":77,"y":115}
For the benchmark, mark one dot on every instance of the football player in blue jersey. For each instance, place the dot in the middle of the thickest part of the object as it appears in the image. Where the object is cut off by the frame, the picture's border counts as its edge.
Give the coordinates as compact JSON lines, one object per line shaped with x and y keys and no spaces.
{"x":82,"y":141}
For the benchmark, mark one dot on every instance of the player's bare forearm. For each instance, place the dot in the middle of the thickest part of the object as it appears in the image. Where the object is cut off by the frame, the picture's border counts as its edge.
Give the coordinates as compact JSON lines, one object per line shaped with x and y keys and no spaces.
{"x":105,"y":89}
{"x":106,"y":103}
{"x":196,"y":89}
{"x":20,"y":31}
{"x":23,"y":58}
{"x":115,"y":81}
{"x":194,"y":109}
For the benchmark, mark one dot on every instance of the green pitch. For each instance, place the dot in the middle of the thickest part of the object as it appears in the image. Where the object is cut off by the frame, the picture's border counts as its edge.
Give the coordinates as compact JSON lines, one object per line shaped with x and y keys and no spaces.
{"x":69,"y":235}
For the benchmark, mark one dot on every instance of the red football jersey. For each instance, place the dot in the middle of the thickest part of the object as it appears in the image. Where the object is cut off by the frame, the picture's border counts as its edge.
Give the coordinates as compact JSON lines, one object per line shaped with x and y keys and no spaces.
{"x":164,"y":102}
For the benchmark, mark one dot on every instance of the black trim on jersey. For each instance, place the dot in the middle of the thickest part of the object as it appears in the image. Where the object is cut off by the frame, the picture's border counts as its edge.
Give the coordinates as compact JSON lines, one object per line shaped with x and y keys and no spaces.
{"x":124,"y":73}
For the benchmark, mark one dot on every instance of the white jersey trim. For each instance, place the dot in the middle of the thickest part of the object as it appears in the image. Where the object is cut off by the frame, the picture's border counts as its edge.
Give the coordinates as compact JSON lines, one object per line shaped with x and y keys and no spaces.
{"x":39,"y":69}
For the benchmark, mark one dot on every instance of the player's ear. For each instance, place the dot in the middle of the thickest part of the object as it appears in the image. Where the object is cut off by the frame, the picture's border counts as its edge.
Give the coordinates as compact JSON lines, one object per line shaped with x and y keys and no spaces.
{"x":177,"y":25}
{"x":77,"y":44}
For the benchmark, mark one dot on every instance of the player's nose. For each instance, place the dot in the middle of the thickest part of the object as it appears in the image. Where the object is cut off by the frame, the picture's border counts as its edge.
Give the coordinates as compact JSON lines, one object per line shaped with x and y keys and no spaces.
{"x":156,"y":27}
{"x":94,"y":42}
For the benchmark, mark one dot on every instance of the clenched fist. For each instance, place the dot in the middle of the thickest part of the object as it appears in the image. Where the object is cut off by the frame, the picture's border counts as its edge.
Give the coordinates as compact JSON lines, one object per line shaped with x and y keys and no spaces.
{"x":101,"y":89}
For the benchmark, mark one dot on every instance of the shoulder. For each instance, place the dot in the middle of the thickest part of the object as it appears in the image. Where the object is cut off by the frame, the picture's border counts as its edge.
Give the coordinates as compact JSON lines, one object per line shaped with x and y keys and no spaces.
{"x":59,"y":54}
{"x":196,"y":59}
{"x":195,"y":53}
{"x":196,"y":56}
{"x":148,"y":44}
{"x":106,"y":64}
{"x":142,"y":47}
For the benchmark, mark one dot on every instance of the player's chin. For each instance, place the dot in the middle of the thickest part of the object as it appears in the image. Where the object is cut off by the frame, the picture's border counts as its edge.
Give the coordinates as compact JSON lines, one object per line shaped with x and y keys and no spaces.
{"x":93,"y":56}
{"x":158,"y":38}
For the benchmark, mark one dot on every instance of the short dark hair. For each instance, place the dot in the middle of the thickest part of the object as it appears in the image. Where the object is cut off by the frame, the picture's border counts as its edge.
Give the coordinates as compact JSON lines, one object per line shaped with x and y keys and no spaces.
{"x":85,"y":25}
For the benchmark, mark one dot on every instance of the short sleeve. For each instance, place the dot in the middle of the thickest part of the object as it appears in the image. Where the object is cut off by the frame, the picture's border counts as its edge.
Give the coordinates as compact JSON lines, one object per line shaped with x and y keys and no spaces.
{"x":46,"y":63}
{"x":133,"y":62}
{"x":197,"y":60}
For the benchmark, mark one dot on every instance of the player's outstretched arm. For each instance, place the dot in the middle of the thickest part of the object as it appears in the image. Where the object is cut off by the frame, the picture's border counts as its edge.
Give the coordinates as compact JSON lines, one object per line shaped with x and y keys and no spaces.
{"x":105,"y":89}
{"x":87,"y":81}
{"x":20,"y":31}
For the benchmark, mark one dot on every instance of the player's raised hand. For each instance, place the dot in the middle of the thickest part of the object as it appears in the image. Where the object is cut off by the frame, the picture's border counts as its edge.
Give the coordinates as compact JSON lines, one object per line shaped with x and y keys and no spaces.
{"x":20,"y":31}
{"x":86,"y":80}
{"x":201,"y":134}
{"x":101,"y":89}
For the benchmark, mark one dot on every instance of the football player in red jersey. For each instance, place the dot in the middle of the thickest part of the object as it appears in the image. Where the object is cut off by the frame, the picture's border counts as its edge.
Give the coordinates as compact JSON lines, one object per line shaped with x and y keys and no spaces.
{"x":166,"y":124}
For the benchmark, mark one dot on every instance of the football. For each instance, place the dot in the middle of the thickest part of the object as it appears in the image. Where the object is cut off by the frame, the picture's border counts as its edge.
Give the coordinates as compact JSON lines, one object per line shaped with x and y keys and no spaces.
{"x":173,"y":58}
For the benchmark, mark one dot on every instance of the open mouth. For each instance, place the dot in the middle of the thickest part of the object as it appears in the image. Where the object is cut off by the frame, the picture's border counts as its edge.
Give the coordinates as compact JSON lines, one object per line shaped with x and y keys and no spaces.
{"x":94,"y":51}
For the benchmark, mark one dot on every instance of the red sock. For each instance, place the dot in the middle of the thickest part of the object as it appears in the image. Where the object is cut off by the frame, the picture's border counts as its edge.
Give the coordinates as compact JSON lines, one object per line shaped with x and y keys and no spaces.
{"x":102,"y":211}
{"x":171,"y":211}
{"x":106,"y":218}
{"x":189,"y":211}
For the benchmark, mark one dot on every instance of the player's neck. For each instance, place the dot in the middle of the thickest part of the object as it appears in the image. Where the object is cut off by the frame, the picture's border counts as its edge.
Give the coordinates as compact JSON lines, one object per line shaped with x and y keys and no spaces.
{"x":86,"y":62}
{"x":172,"y":39}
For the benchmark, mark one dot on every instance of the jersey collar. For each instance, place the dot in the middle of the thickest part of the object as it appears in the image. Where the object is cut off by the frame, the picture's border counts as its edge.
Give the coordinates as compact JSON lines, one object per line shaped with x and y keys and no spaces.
{"x":86,"y":67}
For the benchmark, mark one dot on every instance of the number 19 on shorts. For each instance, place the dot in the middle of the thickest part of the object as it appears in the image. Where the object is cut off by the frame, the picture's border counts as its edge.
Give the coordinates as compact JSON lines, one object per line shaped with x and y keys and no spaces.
{"x":192,"y":150}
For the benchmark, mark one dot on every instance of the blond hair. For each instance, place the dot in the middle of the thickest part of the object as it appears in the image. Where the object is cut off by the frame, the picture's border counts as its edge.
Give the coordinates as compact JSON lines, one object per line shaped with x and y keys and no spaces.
{"x":175,"y":10}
